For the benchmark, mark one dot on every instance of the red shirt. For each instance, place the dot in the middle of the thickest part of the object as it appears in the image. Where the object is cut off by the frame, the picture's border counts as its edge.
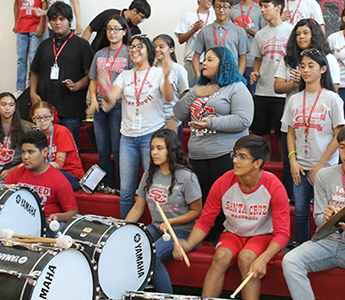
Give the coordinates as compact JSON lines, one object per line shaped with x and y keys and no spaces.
{"x":63,"y":141}
{"x":27,"y":20}
{"x":52,"y":186}
{"x":264,"y":210}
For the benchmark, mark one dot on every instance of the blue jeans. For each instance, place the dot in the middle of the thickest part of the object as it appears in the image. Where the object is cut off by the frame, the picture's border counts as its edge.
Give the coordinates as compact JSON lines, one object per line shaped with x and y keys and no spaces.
{"x":246,"y":75}
{"x":133,"y":152}
{"x":73,"y":181}
{"x":54,"y":234}
{"x":311,"y":257}
{"x":107,"y":132}
{"x":287,"y":178}
{"x":161,"y":279}
{"x":73,"y":126}
{"x":303,"y":193}
{"x":27,"y":44}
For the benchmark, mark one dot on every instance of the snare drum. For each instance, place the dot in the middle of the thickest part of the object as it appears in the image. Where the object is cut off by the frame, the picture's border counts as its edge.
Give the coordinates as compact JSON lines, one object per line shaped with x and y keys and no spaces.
{"x":45,"y":274}
{"x":137,"y":295}
{"x":21,"y":211}
{"x":123,"y":252}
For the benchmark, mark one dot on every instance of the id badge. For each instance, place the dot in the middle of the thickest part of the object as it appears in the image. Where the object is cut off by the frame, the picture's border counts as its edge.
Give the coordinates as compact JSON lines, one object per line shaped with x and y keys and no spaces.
{"x":28,"y":10}
{"x":306,"y":150}
{"x":199,"y":132}
{"x":137,"y":121}
{"x":54,"y":72}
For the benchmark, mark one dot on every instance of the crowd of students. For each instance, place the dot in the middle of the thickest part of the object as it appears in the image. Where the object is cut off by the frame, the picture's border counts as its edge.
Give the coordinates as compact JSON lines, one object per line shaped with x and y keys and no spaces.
{"x":251,"y":66}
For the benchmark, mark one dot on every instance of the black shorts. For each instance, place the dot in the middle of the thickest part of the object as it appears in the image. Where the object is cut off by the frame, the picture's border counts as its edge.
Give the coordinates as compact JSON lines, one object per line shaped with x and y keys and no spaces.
{"x":266,"y":108}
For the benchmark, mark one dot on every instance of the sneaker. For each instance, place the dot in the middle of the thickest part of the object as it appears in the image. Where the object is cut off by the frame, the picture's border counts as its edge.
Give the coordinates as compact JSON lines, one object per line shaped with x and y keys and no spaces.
{"x":17,"y":93}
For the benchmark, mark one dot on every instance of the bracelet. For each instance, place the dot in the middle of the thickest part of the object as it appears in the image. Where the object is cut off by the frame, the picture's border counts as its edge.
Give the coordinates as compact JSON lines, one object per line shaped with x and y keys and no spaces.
{"x":292,"y":152}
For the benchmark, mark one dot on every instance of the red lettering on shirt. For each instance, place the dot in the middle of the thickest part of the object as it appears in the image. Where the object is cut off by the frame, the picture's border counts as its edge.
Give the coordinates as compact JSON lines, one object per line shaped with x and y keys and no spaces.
{"x":200,"y":110}
{"x":158,"y":196}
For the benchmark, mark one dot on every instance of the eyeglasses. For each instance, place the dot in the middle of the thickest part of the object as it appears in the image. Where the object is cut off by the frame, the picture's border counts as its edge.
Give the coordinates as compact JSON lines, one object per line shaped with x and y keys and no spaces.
{"x":41,"y":118}
{"x":4,"y":104}
{"x":240,"y":156}
{"x":311,"y":51}
{"x":219,"y":7}
{"x":142,"y":17}
{"x":114,"y":29}
{"x":137,"y":47}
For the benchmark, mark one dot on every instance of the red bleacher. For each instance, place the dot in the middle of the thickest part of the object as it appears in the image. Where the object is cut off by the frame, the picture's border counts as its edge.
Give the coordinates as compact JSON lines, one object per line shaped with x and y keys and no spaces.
{"x":326,"y":284}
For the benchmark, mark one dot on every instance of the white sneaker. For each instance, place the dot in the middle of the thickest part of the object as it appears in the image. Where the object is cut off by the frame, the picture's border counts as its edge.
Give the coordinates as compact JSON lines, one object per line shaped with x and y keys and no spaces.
{"x":17,"y":93}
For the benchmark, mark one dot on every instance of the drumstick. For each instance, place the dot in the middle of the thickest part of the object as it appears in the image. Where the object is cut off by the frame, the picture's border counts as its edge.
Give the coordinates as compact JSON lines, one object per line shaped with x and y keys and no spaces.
{"x":241,"y":286}
{"x":172,"y":233}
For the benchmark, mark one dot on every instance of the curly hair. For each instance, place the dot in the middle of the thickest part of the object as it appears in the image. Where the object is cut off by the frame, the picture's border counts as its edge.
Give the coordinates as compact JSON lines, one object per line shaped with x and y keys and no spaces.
{"x":143,"y":38}
{"x":318,"y":41}
{"x":176,"y":157}
{"x":227,"y":72}
{"x":17,"y":126}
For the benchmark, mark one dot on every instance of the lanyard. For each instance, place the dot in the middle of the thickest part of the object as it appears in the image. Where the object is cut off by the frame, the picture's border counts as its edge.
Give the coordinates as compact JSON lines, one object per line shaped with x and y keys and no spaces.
{"x":208,"y":14}
{"x":287,"y":6}
{"x":215,"y":36}
{"x":63,"y":45}
{"x":51,"y":144}
{"x":107,"y":64}
{"x":249,"y":10}
{"x":127,"y":22}
{"x":307,"y":123}
{"x":138,"y":93}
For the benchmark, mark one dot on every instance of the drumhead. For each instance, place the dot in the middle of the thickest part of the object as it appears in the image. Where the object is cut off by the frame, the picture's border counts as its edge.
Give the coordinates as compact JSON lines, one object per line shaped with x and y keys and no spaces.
{"x":21,"y":211}
{"x":138,"y":295}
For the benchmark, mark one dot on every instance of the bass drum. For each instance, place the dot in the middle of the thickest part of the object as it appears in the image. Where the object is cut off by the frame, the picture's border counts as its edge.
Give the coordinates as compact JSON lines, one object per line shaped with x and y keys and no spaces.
{"x":27,"y":274}
{"x":21,"y":211}
{"x":124,"y":252}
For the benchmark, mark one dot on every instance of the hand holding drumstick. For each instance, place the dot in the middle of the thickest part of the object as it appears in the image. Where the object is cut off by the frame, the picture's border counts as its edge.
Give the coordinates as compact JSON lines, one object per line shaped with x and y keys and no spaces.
{"x":172,"y":233}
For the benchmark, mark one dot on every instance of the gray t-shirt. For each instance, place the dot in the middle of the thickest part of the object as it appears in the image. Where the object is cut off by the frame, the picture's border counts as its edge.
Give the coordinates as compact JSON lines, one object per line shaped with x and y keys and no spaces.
{"x":230,"y":110}
{"x":328,"y":190}
{"x":235,"y":40}
{"x":104,"y":60}
{"x":185,"y":191}
{"x":11,"y":156}
{"x":254,"y":19}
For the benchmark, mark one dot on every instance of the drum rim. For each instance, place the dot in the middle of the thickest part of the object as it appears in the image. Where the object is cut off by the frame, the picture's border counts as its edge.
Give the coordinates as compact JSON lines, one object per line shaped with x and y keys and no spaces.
{"x":10,"y":189}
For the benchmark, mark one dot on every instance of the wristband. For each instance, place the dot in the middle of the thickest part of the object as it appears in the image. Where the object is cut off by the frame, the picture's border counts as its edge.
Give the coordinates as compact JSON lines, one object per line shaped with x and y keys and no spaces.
{"x":292,"y":152}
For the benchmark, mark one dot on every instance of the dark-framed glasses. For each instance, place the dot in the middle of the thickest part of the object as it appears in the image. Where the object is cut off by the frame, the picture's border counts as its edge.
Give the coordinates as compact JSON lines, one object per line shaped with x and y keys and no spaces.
{"x":240,"y":156}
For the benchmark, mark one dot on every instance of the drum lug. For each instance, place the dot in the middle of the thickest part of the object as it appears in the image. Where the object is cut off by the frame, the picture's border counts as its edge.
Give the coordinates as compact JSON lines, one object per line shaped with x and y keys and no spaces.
{"x":99,"y":250}
{"x":95,"y":267}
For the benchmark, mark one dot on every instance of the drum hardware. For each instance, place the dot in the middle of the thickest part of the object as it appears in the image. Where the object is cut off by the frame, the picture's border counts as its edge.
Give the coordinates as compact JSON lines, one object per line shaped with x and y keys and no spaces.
{"x":30,"y":277}
{"x":91,"y":179}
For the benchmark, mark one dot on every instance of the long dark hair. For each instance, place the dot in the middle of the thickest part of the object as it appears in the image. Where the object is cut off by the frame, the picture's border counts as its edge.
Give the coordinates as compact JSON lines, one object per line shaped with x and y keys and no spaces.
{"x":318,"y":41}
{"x":170,"y":42}
{"x":176,"y":158}
{"x":104,"y":42}
{"x":326,"y":79}
{"x":342,"y":23}
{"x":17,"y":127}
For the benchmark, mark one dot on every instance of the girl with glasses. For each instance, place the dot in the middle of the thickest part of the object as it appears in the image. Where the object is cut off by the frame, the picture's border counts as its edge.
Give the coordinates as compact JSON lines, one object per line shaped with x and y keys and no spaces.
{"x":170,"y":182}
{"x":111,"y":58}
{"x":11,"y":130}
{"x":314,"y":116}
{"x":143,"y":91}
{"x":306,"y":34}
{"x":62,"y":150}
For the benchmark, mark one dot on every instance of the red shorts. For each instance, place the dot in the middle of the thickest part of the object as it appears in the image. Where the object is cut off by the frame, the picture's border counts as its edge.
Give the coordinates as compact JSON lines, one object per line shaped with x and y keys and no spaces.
{"x":258,"y":244}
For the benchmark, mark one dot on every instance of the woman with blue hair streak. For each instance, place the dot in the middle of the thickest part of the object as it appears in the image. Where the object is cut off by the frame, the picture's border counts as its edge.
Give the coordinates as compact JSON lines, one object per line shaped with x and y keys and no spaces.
{"x":219,"y":110}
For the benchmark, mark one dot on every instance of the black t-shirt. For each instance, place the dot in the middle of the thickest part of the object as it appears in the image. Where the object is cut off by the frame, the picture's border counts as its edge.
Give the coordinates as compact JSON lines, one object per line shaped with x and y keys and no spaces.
{"x":73,"y":61}
{"x":98,"y":24}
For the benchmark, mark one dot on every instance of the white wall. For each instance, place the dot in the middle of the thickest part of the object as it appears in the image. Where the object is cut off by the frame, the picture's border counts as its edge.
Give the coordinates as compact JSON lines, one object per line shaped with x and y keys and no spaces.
{"x":164,"y":18}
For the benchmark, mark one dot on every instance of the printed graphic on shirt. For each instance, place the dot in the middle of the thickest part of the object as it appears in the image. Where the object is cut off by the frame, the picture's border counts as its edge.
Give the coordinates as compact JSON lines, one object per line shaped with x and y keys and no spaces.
{"x":338,"y":198}
{"x":199,"y":109}
{"x":298,"y":15}
{"x":240,"y":20}
{"x":319,"y":114}
{"x":159,"y":193}
{"x":111,"y":66}
{"x":240,"y":210}
{"x":143,"y":100}
{"x":274,"y":48}
{"x":7,"y":154}
{"x":340,"y":57}
{"x":43,"y":191}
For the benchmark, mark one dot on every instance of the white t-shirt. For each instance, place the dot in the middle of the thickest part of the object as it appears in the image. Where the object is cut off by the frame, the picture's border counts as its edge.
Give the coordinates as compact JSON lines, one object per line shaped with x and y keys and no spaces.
{"x":283,"y":72}
{"x":186,"y":23}
{"x":270,"y":45}
{"x":307,"y":9}
{"x":337,"y":44}
{"x":151,"y":101}
{"x":327,"y":115}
